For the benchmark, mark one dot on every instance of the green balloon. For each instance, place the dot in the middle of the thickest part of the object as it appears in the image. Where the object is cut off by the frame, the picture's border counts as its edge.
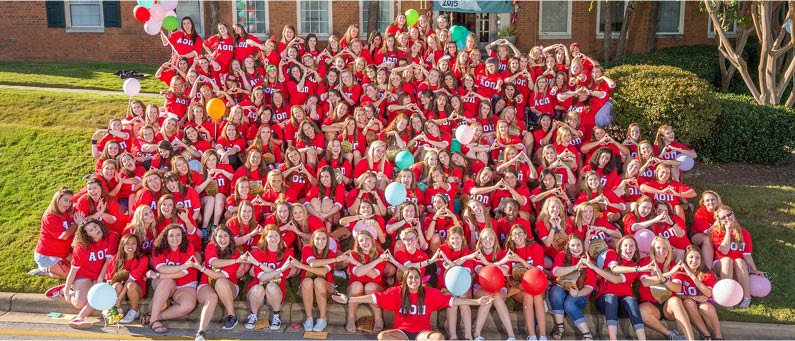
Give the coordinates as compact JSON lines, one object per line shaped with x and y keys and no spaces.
{"x":455,"y":146}
{"x":241,"y":14}
{"x":458,"y":32}
{"x":170,"y":23}
{"x":404,"y":159}
{"x":241,"y":5}
{"x":412,"y":16}
{"x":422,"y":186}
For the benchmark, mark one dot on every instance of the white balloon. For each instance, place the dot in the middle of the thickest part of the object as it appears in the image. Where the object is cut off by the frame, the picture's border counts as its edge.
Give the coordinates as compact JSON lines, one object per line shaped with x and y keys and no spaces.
{"x":152,"y":27}
{"x":687,"y":162}
{"x":131,"y":87}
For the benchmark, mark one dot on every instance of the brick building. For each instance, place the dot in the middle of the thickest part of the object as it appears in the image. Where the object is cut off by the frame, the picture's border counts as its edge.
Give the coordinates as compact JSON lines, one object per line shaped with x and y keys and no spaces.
{"x":92,"y":30}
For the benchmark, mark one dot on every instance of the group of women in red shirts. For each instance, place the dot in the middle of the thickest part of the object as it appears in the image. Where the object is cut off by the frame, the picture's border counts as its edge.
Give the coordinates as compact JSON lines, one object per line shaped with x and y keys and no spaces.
{"x":290,"y":183}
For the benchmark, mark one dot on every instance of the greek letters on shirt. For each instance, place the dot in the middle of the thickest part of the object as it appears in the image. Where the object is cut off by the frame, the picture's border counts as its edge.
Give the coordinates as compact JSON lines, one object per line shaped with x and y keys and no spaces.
{"x":648,"y":173}
{"x":181,"y":100}
{"x":633,"y":191}
{"x":520,"y":81}
{"x":489,"y":84}
{"x":221,"y":181}
{"x":280,"y":116}
{"x":392,"y":60}
{"x":185,"y":41}
{"x":481,"y":197}
{"x":670,"y":233}
{"x":147,"y":244}
{"x":413,"y":310}
{"x":123,"y":145}
{"x":541,"y":102}
{"x":663,"y":197}
{"x":225,"y":47}
{"x":186,"y":203}
{"x":98,"y":255}
{"x":735,"y":247}
{"x":688,"y":289}
{"x":298,"y":179}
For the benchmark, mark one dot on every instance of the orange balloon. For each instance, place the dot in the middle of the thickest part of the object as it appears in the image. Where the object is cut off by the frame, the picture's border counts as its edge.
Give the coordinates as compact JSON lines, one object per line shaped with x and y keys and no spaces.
{"x":216,"y":108}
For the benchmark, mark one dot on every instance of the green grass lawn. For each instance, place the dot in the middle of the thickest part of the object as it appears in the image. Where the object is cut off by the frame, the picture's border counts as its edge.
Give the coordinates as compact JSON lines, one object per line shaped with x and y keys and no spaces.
{"x":83,"y":75}
{"x":44,"y":144}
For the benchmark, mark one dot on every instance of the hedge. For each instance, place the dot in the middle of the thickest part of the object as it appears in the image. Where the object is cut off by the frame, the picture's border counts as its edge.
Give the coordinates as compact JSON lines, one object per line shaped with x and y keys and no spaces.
{"x":748,"y":132}
{"x":701,"y":60}
{"x":657,"y":95}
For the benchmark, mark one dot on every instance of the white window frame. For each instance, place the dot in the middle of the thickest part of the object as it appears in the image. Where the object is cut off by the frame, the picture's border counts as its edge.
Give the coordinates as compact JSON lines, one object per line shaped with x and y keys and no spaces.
{"x":711,"y":30}
{"x":362,"y":30}
{"x":554,"y":35}
{"x":330,"y":20}
{"x":261,"y":36}
{"x":614,"y":34}
{"x":681,"y":31}
{"x":205,"y":29}
{"x":78,"y":29}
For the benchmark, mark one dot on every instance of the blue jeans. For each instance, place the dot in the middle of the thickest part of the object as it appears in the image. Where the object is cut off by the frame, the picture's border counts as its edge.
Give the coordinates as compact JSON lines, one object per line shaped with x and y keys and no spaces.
{"x":611,"y":305}
{"x":563,"y":302}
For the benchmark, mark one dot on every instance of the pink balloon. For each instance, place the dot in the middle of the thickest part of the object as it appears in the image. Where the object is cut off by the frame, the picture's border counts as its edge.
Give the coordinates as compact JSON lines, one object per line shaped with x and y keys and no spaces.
{"x":760,"y":286}
{"x":464,"y":134}
{"x":168,"y":4}
{"x":152,"y":27}
{"x":644,"y":238}
{"x":157,"y":12}
{"x":727,"y":292}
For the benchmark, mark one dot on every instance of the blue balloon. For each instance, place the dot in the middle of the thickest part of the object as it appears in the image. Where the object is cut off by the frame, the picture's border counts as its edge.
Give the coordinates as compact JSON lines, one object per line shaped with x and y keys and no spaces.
{"x":461,"y":44}
{"x":457,"y":280}
{"x":146,"y":3}
{"x":395,"y":193}
{"x":422,"y":186}
{"x":195,"y":165}
{"x":101,"y":296}
{"x":404,"y":159}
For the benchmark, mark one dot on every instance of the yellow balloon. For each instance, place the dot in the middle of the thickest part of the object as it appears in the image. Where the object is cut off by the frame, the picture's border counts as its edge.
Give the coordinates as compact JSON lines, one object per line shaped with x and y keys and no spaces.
{"x":216,"y":108}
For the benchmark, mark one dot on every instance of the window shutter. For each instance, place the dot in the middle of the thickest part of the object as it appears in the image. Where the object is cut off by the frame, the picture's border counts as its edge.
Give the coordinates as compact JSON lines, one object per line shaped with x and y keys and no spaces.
{"x":111,"y":10}
{"x":55,"y":13}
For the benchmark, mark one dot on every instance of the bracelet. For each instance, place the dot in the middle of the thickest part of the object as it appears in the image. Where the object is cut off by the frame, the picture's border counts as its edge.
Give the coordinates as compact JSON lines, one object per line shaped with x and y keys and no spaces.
{"x":665,"y":279}
{"x":636,"y":268}
{"x":202,"y":269}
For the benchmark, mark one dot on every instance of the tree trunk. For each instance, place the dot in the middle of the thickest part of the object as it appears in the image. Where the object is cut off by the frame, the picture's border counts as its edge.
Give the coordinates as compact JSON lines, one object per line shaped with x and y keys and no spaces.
{"x":607,"y":9}
{"x":214,"y":10}
{"x":372,"y":16}
{"x":726,"y":74}
{"x":651,"y":29}
{"x":622,"y":36}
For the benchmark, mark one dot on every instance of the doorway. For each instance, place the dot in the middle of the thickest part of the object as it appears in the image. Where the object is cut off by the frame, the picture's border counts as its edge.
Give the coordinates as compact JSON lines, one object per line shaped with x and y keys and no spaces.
{"x":484,"y":25}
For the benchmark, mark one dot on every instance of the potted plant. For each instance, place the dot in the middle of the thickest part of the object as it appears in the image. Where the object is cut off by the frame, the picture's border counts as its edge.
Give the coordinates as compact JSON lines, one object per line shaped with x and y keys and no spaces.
{"x":508,"y":33}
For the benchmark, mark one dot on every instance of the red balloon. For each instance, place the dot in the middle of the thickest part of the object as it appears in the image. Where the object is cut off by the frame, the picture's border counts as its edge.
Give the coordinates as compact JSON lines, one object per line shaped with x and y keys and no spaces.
{"x":534,"y":281}
{"x":141,"y":13}
{"x":491,"y":279}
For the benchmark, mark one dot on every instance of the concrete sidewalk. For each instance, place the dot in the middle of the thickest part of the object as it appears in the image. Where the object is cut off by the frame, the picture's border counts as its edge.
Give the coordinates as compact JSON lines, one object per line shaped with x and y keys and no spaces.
{"x":16,"y":306}
{"x":74,"y":90}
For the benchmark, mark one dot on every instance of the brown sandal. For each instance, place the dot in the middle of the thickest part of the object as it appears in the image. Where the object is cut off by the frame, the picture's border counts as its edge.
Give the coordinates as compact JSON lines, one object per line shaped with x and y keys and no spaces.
{"x":158,"y":327}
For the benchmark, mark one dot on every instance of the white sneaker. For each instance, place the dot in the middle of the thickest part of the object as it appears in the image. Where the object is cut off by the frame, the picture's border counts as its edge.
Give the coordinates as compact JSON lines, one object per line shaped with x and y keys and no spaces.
{"x":130,"y":316}
{"x":309,"y":324}
{"x":276,"y":323}
{"x":251,"y":321}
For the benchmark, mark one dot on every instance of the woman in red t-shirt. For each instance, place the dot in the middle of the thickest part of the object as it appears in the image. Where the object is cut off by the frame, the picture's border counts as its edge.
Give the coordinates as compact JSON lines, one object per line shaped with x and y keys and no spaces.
{"x":94,"y":247}
{"x":524,"y":253}
{"x":697,"y":283}
{"x":375,"y":161}
{"x":488,"y":252}
{"x":412,"y":320}
{"x":245,"y":230}
{"x":272,"y":263}
{"x":567,"y":296}
{"x":221,"y":173}
{"x":317,"y":284}
{"x":131,"y":259}
{"x":219,"y":278}
{"x":176,"y":271}
{"x":366,"y":265}
{"x":593,"y":192}
{"x":704,"y":219}
{"x":733,"y":251}
{"x":664,"y":188}
{"x":58,"y":225}
{"x":453,"y":253}
{"x":144,"y":226}
{"x":326,"y":198}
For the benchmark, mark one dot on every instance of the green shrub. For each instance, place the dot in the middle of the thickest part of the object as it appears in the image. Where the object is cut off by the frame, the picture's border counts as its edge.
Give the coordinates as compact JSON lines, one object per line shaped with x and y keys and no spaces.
{"x":699,"y":59}
{"x":748,"y":132}
{"x":657,"y":95}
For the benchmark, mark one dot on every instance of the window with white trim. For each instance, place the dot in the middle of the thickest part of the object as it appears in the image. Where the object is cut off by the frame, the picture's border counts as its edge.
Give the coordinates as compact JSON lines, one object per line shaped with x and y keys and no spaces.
{"x":194,"y":10}
{"x":84,"y":15}
{"x":554,"y":20}
{"x":314,"y":16}
{"x":385,"y":16}
{"x":253,"y":16}
{"x":618,"y":19}
{"x":731,"y":32}
{"x":671,"y":17}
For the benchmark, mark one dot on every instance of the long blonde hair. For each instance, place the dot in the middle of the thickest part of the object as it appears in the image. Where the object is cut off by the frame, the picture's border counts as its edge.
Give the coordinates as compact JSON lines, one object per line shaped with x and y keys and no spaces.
{"x":138,"y":225}
{"x":736,"y":230}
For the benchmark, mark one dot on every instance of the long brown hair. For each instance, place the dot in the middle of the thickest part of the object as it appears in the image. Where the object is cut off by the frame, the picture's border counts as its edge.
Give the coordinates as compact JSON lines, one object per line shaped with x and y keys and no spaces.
{"x":510,"y":244}
{"x":52,"y":208}
{"x":374,"y":249}
{"x":229,"y":250}
{"x":635,"y":256}
{"x":121,"y":256}
{"x":161,"y":242}
{"x":82,"y":238}
{"x":405,"y":300}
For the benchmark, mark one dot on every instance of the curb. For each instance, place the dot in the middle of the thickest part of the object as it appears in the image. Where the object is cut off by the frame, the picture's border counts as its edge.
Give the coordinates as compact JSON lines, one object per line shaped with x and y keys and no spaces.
{"x":336,"y":316}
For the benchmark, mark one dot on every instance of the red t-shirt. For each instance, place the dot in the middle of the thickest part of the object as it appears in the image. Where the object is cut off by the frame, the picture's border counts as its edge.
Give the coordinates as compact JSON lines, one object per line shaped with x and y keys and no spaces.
{"x":230,"y":271}
{"x":689,"y":287}
{"x":622,"y":289}
{"x":308,"y":254}
{"x":590,"y":275}
{"x":137,"y":268}
{"x":89,"y":259}
{"x":364,"y":260}
{"x":404,"y":257}
{"x":53,"y":228}
{"x":175,"y":257}
{"x":736,"y":249}
{"x":415,"y":320}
